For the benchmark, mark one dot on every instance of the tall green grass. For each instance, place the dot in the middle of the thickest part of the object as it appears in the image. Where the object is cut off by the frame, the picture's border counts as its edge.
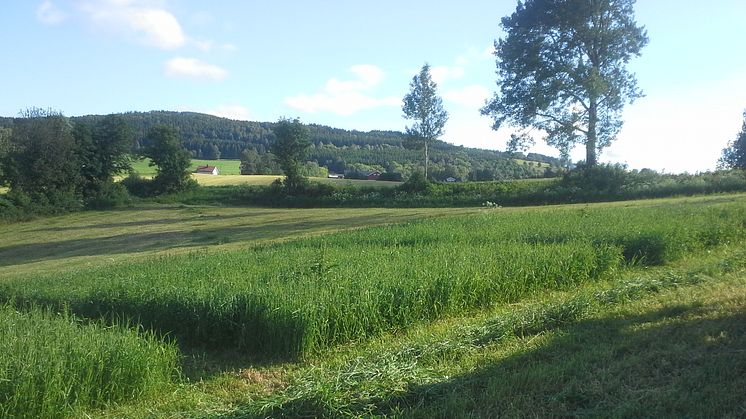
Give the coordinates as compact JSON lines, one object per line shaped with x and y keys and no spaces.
{"x":300,"y":297}
{"x":53,"y":365}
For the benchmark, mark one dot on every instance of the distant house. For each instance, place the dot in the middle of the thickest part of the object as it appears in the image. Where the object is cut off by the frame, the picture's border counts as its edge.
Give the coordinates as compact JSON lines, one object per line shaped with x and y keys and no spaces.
{"x":373,"y":175}
{"x":335,"y":176}
{"x":207,"y":170}
{"x":451,"y":179}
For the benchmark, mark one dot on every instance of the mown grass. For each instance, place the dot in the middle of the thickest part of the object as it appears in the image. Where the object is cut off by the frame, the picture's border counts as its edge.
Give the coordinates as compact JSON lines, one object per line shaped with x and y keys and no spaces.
{"x":263,"y":180}
{"x":101,"y":238}
{"x":53,"y":365}
{"x":299,"y":298}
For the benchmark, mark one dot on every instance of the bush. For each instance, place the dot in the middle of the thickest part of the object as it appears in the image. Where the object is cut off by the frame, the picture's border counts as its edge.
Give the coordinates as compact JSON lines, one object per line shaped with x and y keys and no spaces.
{"x":138,"y":186}
{"x":110,"y":195}
{"x":417,"y":183}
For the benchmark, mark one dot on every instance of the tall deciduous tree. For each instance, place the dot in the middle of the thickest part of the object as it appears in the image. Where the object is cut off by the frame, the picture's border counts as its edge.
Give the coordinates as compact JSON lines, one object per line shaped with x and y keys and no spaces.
{"x":104,"y":149}
{"x":425,"y":108}
{"x":41,"y":161}
{"x":172,"y":160}
{"x":290,"y":148}
{"x":562,"y":69}
{"x":734,"y":156}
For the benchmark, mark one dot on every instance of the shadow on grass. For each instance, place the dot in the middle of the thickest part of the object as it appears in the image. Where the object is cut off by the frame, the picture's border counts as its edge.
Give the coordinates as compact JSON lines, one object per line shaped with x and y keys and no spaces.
{"x":684,"y":361}
{"x":145,"y":223}
{"x":148,"y":242}
{"x":670,"y":363}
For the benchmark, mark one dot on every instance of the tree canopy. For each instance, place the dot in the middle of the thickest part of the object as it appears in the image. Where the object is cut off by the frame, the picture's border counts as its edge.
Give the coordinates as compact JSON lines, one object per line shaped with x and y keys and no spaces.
{"x":41,"y":160}
{"x":562,"y":69}
{"x":172,"y":160}
{"x":290,"y":148}
{"x":734,"y":156}
{"x":424,"y":107}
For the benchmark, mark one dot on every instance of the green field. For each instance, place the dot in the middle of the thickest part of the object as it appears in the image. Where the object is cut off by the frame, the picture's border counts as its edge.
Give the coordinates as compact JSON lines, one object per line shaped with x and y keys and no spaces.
{"x":230,"y":174}
{"x":282,"y":313}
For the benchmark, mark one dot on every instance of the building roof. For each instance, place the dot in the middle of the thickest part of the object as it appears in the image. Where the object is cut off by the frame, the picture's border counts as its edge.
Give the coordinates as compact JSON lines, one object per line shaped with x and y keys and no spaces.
{"x":205,"y":168}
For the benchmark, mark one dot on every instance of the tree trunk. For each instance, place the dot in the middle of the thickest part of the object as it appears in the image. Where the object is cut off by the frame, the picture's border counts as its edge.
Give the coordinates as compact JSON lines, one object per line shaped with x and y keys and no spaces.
{"x":426,"y":160}
{"x":591,"y":139}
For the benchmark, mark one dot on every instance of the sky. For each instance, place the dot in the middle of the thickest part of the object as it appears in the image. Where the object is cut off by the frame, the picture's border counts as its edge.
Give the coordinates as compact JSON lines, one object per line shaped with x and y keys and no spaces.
{"x":348,"y":64}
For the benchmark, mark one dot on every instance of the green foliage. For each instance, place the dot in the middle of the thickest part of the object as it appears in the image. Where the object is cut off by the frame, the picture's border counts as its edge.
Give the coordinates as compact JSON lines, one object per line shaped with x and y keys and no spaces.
{"x":55,"y":365}
{"x":253,"y":163}
{"x":417,"y":183}
{"x":41,"y":162}
{"x":103,"y":151}
{"x":340,"y":151}
{"x":425,"y":108}
{"x":172,"y":160}
{"x":561,"y":69}
{"x":300,"y":297}
{"x":734,"y":156}
{"x":5,"y":134}
{"x":290,"y":148}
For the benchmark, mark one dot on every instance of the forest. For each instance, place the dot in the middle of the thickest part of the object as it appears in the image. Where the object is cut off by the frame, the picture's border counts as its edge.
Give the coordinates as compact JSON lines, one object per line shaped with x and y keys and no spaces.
{"x":352,"y":153}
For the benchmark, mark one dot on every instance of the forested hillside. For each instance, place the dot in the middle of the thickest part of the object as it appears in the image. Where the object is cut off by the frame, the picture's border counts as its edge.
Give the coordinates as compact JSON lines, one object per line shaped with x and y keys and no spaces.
{"x":341,"y":151}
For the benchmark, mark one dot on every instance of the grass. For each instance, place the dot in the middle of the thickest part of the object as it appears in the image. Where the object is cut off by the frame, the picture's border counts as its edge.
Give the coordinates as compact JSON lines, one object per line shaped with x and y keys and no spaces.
{"x":621,"y":309}
{"x":230,"y":174}
{"x":223,"y":180}
{"x":660,"y":341}
{"x":52,"y":365}
{"x":101,"y":238}
{"x":299,"y":298}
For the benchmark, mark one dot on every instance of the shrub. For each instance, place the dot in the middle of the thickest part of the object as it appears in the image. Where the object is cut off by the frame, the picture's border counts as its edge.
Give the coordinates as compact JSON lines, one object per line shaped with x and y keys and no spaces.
{"x":417,"y":183}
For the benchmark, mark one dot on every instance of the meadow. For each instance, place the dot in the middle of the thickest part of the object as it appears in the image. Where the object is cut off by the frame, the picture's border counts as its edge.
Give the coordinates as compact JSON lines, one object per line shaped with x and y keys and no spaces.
{"x":296,"y":299}
{"x":323,"y":313}
{"x":230,"y":174}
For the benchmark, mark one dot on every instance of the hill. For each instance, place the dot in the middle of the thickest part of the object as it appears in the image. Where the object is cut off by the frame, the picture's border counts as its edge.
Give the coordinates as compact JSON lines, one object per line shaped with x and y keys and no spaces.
{"x":339,"y":150}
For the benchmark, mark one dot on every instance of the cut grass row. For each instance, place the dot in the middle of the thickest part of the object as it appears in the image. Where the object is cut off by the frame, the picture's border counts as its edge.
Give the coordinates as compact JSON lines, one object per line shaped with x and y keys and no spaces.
{"x":53,"y":365}
{"x":298,"y":298}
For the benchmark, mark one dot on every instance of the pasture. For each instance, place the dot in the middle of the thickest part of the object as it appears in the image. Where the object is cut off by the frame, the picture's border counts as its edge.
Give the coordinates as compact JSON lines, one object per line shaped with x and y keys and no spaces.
{"x":286,"y":312}
{"x":230,"y":174}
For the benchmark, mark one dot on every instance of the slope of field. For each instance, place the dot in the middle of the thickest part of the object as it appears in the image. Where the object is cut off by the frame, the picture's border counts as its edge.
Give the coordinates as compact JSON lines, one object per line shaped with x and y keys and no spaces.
{"x":623,"y":309}
{"x":299,"y":298}
{"x":98,"y":238}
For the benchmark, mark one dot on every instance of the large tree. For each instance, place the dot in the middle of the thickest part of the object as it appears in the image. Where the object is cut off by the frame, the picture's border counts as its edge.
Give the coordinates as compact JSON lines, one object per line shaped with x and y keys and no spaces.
{"x":104,"y":149}
{"x":734,"y":156}
{"x":562,"y":69}
{"x":425,"y":108}
{"x":290,"y":148}
{"x":171,"y":159}
{"x":41,"y":161}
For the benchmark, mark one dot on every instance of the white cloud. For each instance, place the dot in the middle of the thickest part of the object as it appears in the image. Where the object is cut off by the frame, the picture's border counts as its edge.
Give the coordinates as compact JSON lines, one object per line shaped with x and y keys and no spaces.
{"x":49,"y":14}
{"x":192,"y":67}
{"x":144,"y":21}
{"x":444,"y":73}
{"x":345,"y":97}
{"x":472,"y":96}
{"x":236,"y":112}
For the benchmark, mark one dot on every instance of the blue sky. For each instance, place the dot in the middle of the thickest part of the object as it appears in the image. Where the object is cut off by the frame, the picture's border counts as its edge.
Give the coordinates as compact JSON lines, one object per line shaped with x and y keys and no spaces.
{"x":348,"y":64}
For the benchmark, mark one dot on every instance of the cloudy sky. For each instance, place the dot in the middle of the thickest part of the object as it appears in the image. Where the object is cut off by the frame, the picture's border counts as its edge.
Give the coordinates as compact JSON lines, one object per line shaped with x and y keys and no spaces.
{"x":348,"y":64}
